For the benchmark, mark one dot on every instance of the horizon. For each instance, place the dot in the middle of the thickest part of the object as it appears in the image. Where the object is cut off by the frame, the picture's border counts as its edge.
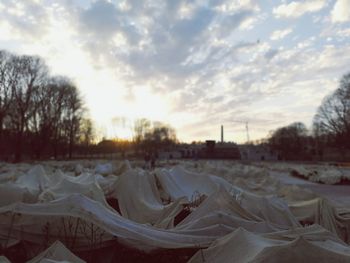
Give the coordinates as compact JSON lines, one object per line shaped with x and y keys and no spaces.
{"x":193,"y":65}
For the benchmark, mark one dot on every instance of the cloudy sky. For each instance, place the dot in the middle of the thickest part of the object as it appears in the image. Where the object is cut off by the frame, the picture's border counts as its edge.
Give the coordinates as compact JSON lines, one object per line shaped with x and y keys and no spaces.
{"x":192,"y":64}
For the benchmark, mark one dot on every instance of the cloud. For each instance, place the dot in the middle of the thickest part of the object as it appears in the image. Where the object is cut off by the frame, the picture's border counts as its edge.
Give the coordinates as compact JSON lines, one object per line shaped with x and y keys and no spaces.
{"x":341,"y":11}
{"x":279,"y":34}
{"x":194,"y":64}
{"x":296,"y":9}
{"x":270,"y":54}
{"x":187,"y":30}
{"x":100,"y":19}
{"x":25,"y":18}
{"x":231,"y":22}
{"x":229,"y":6}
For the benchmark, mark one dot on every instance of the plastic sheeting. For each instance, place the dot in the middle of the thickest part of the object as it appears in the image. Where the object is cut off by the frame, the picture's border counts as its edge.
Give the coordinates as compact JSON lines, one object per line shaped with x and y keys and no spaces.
{"x":85,"y":185}
{"x":139,"y":200}
{"x":57,"y":252}
{"x":4,"y":260}
{"x":33,"y":217}
{"x":221,"y":209}
{"x":223,"y":197}
{"x":313,"y":244}
{"x":190,"y":233}
{"x":178,"y":182}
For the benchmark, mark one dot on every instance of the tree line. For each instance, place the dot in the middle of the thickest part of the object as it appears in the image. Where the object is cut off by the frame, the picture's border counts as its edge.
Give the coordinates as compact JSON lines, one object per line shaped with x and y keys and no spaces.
{"x":148,"y":138}
{"x":43,"y":116}
{"x":40,"y":114}
{"x":330,"y":129}
{"x":152,"y":137}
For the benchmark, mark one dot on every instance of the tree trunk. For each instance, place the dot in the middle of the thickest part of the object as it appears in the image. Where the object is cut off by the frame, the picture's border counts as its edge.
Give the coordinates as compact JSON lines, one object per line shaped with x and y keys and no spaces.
{"x":1,"y":132}
{"x":18,"y":147}
{"x":70,"y":146}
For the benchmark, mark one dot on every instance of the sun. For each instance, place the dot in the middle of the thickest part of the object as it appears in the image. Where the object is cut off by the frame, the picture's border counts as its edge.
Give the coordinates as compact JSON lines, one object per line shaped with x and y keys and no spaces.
{"x":147,"y":105}
{"x":116,"y":114}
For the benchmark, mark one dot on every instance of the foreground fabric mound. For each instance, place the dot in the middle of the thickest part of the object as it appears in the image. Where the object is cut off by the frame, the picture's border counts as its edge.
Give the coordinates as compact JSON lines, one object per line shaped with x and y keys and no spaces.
{"x":4,"y":260}
{"x":139,"y":200}
{"x":169,"y":210}
{"x":35,"y":179}
{"x":26,"y":222}
{"x":11,"y":193}
{"x":220,"y":210}
{"x":217,"y":216}
{"x":57,"y":252}
{"x":83,"y":184}
{"x":320,"y":211}
{"x":178,"y":182}
{"x":312,"y":244}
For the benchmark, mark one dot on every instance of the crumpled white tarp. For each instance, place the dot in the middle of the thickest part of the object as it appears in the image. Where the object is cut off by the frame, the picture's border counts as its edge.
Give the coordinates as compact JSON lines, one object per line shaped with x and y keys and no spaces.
{"x":312,"y":244}
{"x":139,"y":200}
{"x":57,"y":252}
{"x":84,"y":184}
{"x":178,"y":182}
{"x":192,"y":232}
{"x":112,"y":168}
{"x":222,"y":197}
{"x":221,"y":209}
{"x":4,"y":259}
{"x":33,"y":217}
{"x":35,"y":180}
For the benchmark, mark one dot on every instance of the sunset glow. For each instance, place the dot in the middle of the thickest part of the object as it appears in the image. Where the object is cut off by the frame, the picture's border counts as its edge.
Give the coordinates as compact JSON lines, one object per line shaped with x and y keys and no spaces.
{"x":195,"y":66}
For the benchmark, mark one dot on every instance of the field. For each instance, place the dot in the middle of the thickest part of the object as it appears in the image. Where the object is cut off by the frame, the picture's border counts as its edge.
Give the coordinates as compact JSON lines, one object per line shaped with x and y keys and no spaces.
{"x":181,"y":211}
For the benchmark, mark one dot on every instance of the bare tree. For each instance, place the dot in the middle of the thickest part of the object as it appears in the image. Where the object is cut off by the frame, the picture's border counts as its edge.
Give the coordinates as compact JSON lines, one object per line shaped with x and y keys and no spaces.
{"x":29,"y":73}
{"x":47,"y":117}
{"x":290,"y":141}
{"x":87,"y":132}
{"x":160,"y":137}
{"x":6,"y":82}
{"x":37,"y":110}
{"x":73,"y":113}
{"x":141,"y":127}
{"x":333,"y":116}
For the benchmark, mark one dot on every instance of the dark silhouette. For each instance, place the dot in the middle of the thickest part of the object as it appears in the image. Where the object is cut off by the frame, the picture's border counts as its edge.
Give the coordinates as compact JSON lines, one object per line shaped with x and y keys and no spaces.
{"x":153,"y":137}
{"x":290,"y":141}
{"x":42,"y":116}
{"x":39,"y":114}
{"x":332,"y":121}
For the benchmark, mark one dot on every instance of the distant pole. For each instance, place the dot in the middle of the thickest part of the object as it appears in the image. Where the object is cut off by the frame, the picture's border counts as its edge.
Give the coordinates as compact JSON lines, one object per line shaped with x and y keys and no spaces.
{"x":222,"y":133}
{"x":247,"y":128}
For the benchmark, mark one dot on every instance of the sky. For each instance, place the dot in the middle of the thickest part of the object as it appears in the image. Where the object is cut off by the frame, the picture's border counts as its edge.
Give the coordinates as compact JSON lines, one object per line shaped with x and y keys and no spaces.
{"x":194,"y":65}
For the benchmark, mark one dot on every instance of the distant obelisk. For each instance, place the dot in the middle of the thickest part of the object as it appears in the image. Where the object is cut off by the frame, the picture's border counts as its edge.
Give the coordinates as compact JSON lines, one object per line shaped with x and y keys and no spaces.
{"x":222,"y":133}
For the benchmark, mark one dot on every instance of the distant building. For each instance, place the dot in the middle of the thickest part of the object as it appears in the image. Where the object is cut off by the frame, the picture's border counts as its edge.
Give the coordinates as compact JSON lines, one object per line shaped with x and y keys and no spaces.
{"x":191,"y":151}
{"x":213,"y":150}
{"x":257,"y":153}
{"x":227,"y":150}
{"x":210,"y":150}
